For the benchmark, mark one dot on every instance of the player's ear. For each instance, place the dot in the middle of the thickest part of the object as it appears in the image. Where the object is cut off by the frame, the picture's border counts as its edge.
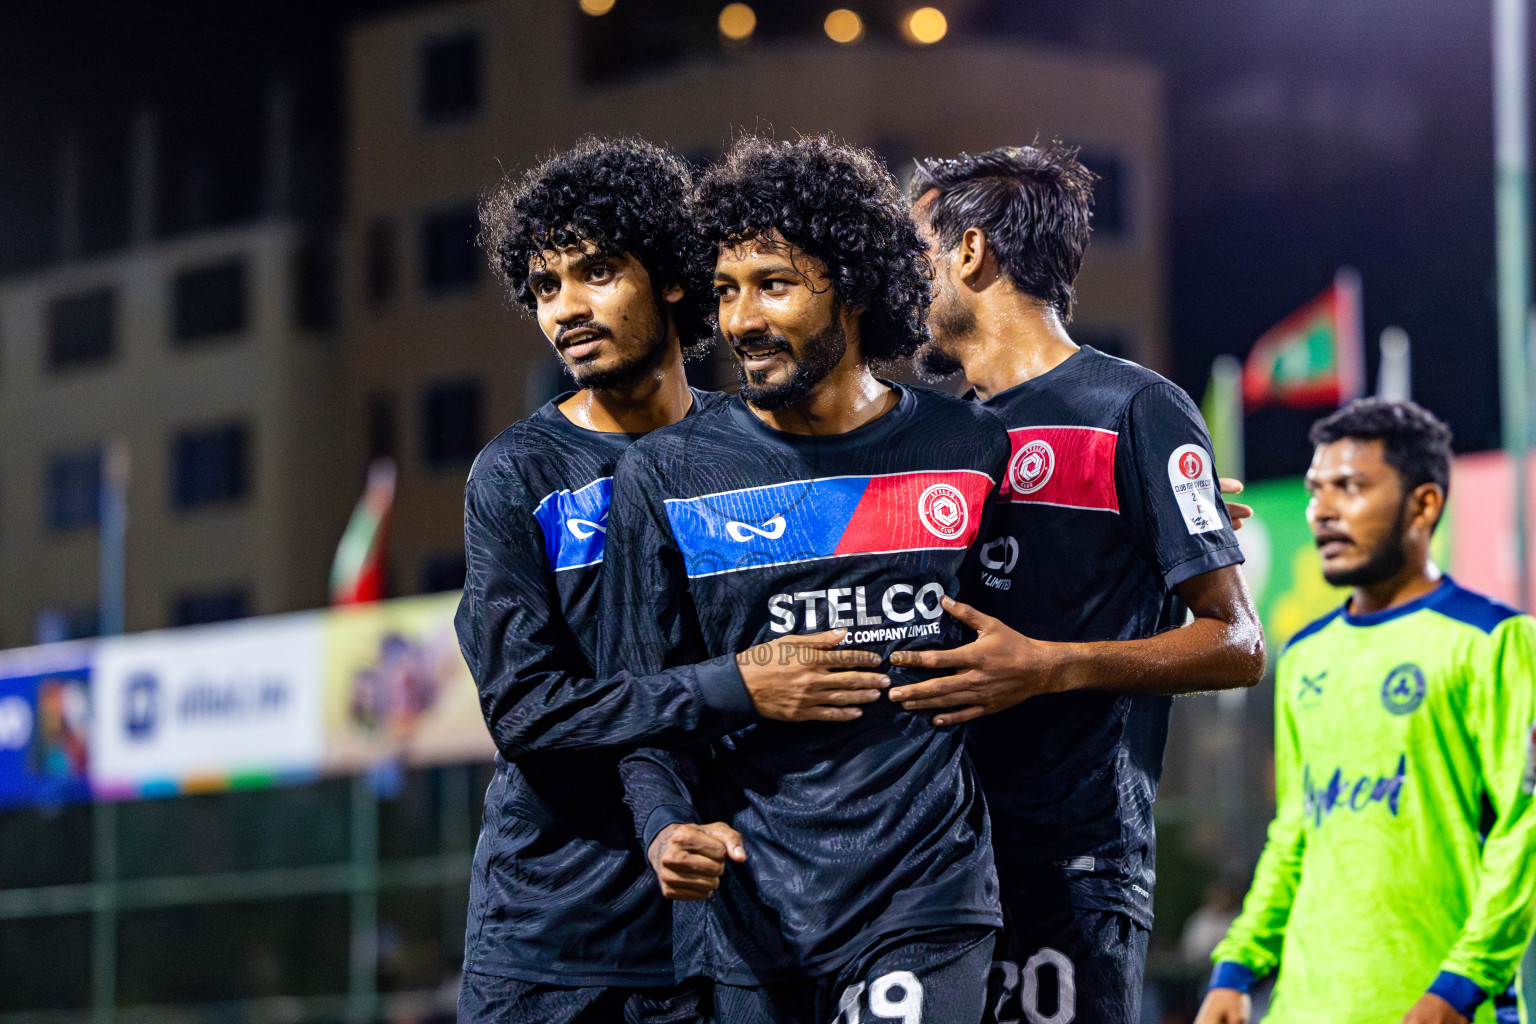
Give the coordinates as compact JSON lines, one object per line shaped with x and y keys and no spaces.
{"x":672,"y":293}
{"x":971,"y":255}
{"x":1427,"y":503}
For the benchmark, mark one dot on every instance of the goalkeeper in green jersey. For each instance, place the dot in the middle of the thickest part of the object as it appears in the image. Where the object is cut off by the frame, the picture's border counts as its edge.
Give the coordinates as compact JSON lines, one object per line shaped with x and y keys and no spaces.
{"x":1398,"y":881}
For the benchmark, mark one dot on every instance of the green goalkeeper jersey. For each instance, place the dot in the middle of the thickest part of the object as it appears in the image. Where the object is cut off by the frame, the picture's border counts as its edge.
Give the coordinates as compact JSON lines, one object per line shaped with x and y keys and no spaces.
{"x":1402,"y":857}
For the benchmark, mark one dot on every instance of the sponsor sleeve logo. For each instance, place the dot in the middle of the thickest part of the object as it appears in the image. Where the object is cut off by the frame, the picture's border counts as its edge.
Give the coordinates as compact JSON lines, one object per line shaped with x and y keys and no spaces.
{"x":575,"y":525}
{"x":828,"y":517}
{"x":1069,"y":467}
{"x":1194,"y":488}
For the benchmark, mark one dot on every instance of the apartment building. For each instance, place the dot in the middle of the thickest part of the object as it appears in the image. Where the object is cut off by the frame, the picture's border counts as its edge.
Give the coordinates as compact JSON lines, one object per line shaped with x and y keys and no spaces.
{"x":213,"y":359}
{"x":441,"y":101}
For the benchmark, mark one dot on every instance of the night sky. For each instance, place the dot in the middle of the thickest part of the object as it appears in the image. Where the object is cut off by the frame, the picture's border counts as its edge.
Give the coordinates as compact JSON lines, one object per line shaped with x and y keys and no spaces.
{"x":1304,"y":135}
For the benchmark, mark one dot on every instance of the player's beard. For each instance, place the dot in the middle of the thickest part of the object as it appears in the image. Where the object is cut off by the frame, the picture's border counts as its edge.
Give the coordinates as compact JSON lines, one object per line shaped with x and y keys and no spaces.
{"x":949,"y":322}
{"x":1385,"y":562}
{"x":632,"y":366}
{"x":820,"y":356}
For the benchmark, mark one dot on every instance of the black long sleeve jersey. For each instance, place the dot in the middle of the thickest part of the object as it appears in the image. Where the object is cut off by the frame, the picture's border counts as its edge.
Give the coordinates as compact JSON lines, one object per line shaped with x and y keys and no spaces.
{"x":732,"y":533}
{"x":1109,"y":503}
{"x":560,"y":892}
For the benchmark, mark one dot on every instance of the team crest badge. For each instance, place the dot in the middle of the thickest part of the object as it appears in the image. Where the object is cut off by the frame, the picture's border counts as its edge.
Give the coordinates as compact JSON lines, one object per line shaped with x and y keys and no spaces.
{"x":943,"y":512}
{"x":1403,"y":689}
{"x":1031,"y":466}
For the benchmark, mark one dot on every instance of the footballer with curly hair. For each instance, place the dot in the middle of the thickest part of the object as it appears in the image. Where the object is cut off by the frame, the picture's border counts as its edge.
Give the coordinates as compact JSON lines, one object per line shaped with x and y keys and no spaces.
{"x":819,"y":871}
{"x":565,"y":924}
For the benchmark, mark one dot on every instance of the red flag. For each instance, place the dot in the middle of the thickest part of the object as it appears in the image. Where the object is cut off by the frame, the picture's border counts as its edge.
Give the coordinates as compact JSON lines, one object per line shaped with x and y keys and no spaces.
{"x":357,"y":573}
{"x":1314,"y":357}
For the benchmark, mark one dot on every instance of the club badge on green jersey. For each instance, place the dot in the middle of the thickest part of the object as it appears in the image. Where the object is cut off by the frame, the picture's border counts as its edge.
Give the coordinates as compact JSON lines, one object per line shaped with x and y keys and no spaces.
{"x":1403,"y":689}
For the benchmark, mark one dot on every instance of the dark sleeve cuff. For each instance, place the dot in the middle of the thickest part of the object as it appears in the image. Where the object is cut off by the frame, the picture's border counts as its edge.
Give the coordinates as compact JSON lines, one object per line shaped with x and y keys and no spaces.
{"x":1464,"y":994}
{"x":1188,"y":569}
{"x":659,"y":819}
{"x":1232,"y":975}
{"x":723,"y":691}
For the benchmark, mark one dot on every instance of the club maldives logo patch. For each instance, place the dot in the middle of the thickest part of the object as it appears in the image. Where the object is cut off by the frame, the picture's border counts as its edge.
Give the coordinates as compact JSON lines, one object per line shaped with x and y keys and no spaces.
{"x":1032,"y":466}
{"x":1194,"y":488}
{"x":1403,"y":690}
{"x":1191,"y":465}
{"x":943,"y":511}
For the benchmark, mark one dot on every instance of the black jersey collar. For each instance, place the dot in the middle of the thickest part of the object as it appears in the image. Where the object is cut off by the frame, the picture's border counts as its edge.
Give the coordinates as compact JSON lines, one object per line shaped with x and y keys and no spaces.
{"x":869,"y":433}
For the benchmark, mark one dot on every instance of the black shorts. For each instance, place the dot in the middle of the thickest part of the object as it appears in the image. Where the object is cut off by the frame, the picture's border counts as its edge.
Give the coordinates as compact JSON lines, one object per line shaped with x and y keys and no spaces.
{"x":1059,"y":965}
{"x":923,"y":976}
{"x":485,"y":999}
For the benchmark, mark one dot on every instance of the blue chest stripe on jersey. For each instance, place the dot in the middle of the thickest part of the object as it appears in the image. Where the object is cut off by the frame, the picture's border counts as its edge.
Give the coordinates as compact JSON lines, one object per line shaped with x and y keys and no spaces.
{"x":762,"y":526}
{"x":575,"y":524}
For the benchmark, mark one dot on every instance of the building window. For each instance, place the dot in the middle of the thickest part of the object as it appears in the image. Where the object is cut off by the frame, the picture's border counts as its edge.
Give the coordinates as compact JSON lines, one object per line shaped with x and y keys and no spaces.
{"x":443,"y":571}
{"x":381,"y":261}
{"x":450,"y":260}
{"x":314,"y":285}
{"x":450,"y":78}
{"x":82,"y":328}
{"x":383,"y":437}
{"x":209,"y":465}
{"x":197,"y":609}
{"x":1111,"y":206}
{"x":450,"y":418}
{"x":209,"y":301}
{"x":73,"y":490}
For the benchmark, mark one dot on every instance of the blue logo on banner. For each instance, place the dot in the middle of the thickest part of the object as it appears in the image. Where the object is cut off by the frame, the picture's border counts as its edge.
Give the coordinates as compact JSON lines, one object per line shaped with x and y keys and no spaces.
{"x":1403,"y":689}
{"x":44,"y":737}
{"x":141,"y":705}
{"x":575,"y":524}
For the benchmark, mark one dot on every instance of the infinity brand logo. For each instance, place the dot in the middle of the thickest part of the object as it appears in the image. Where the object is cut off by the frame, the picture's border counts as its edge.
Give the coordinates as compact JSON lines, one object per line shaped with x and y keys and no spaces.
{"x":585,"y":528}
{"x":741,"y":533}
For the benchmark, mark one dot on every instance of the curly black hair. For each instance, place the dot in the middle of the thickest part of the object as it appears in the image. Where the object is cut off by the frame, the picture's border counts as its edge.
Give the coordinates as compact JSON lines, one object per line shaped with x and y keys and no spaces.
{"x":841,"y":205}
{"x":1033,"y":203}
{"x":621,"y":195}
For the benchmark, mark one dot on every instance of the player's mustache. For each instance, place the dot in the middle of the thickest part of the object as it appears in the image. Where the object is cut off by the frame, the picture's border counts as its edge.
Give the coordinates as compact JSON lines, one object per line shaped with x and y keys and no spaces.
{"x":775,"y":342}
{"x":595,"y":329}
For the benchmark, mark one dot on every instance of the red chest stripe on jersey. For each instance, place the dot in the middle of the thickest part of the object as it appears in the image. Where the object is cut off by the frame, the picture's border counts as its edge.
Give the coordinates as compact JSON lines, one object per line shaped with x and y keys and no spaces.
{"x":911,"y":511}
{"x":1073,"y":467}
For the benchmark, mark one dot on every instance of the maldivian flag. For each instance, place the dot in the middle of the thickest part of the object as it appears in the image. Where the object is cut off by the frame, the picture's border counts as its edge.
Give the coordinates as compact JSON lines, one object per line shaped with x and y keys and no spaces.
{"x":1314,"y":357}
{"x":357,"y":573}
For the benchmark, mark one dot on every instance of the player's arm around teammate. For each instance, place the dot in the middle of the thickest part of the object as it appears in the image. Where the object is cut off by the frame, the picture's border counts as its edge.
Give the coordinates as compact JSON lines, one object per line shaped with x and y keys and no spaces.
{"x":1221,"y":648}
{"x":1002,"y":337}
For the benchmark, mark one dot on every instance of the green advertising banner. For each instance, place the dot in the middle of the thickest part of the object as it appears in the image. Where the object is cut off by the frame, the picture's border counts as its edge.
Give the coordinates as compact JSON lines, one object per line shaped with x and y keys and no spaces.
{"x":1281,"y":561}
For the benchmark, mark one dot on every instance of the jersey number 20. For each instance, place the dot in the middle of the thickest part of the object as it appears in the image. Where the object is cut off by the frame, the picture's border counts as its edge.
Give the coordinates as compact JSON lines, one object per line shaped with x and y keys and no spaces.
{"x":1011,"y":984}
